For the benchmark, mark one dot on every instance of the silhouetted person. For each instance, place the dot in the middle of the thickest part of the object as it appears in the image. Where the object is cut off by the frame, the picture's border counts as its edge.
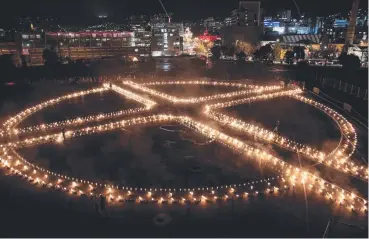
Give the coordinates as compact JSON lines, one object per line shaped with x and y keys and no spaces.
{"x":111,"y":85}
{"x":63,"y":131}
{"x":103,"y":205}
{"x":275,"y":130}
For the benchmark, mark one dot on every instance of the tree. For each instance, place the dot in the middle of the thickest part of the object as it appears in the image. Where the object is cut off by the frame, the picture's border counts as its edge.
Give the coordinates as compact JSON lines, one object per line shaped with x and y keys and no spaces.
{"x":241,"y":55}
{"x":349,"y":62}
{"x":277,"y":51}
{"x":328,"y":53}
{"x":229,"y":51}
{"x":216,"y":51}
{"x":350,"y":66}
{"x":50,"y":57}
{"x":264,"y":52}
{"x":299,"y":51}
{"x":200,"y":49}
{"x":289,"y":57}
{"x":246,"y":47}
{"x":7,"y":67}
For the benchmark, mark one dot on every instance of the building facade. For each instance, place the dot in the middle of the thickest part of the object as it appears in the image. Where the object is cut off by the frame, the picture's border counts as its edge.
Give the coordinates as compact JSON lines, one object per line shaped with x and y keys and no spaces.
{"x":227,"y":21}
{"x":284,"y":16}
{"x":247,"y":14}
{"x":142,"y":31}
{"x":212,"y":25}
{"x":167,"y":39}
{"x":82,"y":45}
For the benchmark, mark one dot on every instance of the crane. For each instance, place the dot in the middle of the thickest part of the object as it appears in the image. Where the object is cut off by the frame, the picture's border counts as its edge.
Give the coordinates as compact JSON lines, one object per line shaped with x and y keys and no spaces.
{"x":297,"y":7}
{"x":165,"y":10}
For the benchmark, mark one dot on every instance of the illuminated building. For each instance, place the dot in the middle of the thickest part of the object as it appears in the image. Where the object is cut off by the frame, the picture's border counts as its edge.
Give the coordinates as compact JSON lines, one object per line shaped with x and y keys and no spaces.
{"x":142,"y":36}
{"x":269,"y":24}
{"x":167,"y":39}
{"x":10,"y":48}
{"x":247,"y":14}
{"x":360,"y":52}
{"x":212,"y":25}
{"x":284,"y":16}
{"x":82,"y":45}
{"x":228,"y":21}
{"x":362,"y":17}
{"x":246,"y":24}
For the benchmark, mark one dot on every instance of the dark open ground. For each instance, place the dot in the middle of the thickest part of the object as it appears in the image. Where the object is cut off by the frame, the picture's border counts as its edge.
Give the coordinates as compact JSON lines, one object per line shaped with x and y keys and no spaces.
{"x":147,"y":157}
{"x":80,"y":107}
{"x":30,"y":212}
{"x":302,"y":123}
{"x":298,"y":121}
{"x":27,"y":211}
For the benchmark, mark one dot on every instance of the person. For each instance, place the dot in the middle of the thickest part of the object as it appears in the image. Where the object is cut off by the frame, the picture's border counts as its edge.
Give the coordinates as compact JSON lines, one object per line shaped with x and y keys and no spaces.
{"x":111,"y":85}
{"x":103,"y":205}
{"x":276,"y":126}
{"x":63,"y":131}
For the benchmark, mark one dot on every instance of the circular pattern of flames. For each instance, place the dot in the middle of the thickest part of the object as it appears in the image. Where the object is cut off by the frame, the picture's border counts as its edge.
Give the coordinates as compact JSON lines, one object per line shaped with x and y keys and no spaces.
{"x":289,"y":175}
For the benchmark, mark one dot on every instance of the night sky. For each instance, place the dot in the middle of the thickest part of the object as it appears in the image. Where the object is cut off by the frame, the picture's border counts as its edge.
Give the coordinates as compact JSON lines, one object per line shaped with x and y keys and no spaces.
{"x":82,"y":11}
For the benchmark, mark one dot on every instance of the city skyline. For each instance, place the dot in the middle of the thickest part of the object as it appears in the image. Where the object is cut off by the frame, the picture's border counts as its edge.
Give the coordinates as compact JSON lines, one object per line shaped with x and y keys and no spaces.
{"x":84,"y":11}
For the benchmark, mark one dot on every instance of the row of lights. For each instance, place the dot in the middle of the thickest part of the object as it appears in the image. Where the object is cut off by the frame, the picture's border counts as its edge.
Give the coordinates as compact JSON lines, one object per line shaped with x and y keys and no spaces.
{"x":92,"y":118}
{"x":193,"y":100}
{"x":130,"y":95}
{"x":336,"y":159}
{"x":186,"y":196}
{"x":295,"y":174}
{"x":43,"y":176}
{"x":202,"y":82}
{"x":78,"y":121}
{"x":250,"y":99}
{"x":15,"y":120}
{"x":59,"y":137}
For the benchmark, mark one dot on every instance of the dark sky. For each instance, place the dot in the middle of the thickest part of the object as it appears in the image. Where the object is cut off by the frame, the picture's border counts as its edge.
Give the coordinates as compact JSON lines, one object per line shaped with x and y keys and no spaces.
{"x":83,"y":10}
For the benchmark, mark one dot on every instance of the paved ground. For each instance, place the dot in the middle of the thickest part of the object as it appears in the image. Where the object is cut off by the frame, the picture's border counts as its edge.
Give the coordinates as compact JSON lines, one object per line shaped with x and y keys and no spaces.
{"x":34,"y":212}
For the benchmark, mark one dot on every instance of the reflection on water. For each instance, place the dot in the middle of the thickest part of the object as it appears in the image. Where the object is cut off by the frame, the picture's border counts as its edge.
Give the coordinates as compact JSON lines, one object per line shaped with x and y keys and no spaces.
{"x":164,"y":64}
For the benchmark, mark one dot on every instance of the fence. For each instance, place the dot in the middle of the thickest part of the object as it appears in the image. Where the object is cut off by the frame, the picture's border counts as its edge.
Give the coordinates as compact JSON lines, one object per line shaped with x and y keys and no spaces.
{"x":344,"y":87}
{"x":359,"y":118}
